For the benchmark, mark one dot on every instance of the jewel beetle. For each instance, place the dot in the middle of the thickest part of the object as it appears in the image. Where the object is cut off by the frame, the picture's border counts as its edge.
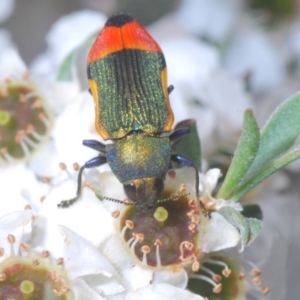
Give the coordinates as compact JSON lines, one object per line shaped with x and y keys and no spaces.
{"x":127,"y":76}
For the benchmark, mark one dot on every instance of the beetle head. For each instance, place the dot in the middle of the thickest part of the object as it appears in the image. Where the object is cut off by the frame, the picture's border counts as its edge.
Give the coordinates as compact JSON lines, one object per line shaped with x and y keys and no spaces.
{"x":144,"y":191}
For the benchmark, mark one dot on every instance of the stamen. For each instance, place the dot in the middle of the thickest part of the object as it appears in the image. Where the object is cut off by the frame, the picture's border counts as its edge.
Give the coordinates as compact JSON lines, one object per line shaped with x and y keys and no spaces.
{"x":1,"y":251}
{"x":187,"y":245}
{"x":130,"y":241}
{"x":37,"y":136}
{"x":133,"y":245}
{"x":11,"y":240}
{"x":207,"y":270}
{"x":226,"y":272}
{"x":218,"y":262}
{"x":30,"y":95}
{"x":145,"y":249}
{"x":128,"y":225}
{"x":45,"y":121}
{"x":157,"y":243}
{"x":29,"y":141}
{"x":7,"y":156}
{"x":217,"y":286}
{"x":24,"y":148}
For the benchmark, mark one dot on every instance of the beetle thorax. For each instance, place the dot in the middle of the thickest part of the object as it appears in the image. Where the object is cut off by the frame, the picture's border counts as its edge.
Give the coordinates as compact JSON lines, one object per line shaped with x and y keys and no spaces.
{"x":139,"y":156}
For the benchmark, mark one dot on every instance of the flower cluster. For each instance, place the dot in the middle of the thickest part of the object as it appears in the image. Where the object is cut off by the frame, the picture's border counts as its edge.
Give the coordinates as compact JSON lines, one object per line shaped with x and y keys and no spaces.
{"x":194,"y":243}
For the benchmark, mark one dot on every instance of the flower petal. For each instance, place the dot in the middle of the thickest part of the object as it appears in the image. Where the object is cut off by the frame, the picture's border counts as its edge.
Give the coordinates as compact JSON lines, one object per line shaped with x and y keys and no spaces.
{"x":161,"y":291}
{"x":219,"y":234}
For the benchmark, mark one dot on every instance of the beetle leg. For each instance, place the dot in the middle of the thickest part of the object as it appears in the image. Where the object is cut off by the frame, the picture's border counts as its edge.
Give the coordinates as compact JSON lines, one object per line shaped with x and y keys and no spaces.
{"x":170,"y":89}
{"x":96,"y":145}
{"x":179,"y":134}
{"x":92,"y":163}
{"x":184,"y":161}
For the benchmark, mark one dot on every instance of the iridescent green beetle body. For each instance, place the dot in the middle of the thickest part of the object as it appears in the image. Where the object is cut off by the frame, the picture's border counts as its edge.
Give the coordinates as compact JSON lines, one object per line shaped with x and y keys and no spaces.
{"x":128,"y":81}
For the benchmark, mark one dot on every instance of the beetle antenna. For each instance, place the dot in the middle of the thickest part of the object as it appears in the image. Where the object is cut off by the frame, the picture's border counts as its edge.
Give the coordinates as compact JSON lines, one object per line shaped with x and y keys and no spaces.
{"x":119,"y":201}
{"x":173,"y":197}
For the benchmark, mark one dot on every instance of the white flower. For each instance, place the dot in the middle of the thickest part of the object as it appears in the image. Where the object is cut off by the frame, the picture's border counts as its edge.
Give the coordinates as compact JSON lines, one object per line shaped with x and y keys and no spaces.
{"x":104,"y":228}
{"x":213,"y":19}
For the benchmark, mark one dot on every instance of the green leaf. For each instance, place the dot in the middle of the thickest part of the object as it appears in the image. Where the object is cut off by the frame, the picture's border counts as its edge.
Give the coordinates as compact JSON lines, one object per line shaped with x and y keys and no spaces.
{"x":249,"y":228}
{"x":278,"y":135}
{"x":267,"y":171}
{"x":190,"y":145}
{"x":66,"y":68}
{"x":243,"y":157}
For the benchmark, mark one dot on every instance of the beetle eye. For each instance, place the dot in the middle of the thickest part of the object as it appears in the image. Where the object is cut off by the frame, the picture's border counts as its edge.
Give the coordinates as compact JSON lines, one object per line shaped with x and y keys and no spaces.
{"x":130,"y":191}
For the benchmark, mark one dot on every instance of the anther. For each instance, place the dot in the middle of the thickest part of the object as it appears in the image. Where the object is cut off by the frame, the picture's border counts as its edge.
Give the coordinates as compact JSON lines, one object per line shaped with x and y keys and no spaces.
{"x":1,"y":251}
{"x":195,"y":266}
{"x":27,"y":206}
{"x":256,"y":272}
{"x":11,"y":238}
{"x":242,"y":276}
{"x":63,"y":166}
{"x":2,"y":276}
{"x":45,"y":253}
{"x":265,"y":290}
{"x":22,"y":98}
{"x":37,"y":104}
{"x":60,"y":261}
{"x":129,"y":224}
{"x":115,"y":214}
{"x":257,"y":281}
{"x":3,"y":92}
{"x":46,"y":179}
{"x":24,"y":247}
{"x":226,"y":272}
{"x":218,"y":288}
{"x":192,"y":227}
{"x":182,"y":188}
{"x":35,"y":262}
{"x":172,"y":174}
{"x":76,"y":166}
{"x":138,"y":236}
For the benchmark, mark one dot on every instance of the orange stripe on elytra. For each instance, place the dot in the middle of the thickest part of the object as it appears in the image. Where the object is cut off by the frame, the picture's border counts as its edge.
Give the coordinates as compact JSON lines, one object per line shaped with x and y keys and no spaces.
{"x":108,"y":41}
{"x":130,"y":36}
{"x":136,"y":36}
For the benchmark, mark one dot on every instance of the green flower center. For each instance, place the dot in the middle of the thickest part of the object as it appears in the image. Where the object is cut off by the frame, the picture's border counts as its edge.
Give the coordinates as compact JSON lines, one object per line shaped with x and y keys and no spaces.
{"x":166,"y":235}
{"x":24,"y":121}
